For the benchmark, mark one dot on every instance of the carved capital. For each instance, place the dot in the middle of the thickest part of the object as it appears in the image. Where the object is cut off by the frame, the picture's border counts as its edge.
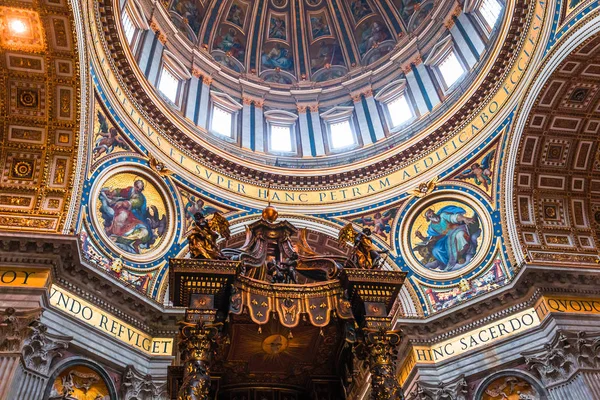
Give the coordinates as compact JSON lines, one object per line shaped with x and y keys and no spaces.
{"x":196,"y":344}
{"x":301,"y":108}
{"x":314,"y":108}
{"x":207,"y":80}
{"x":453,"y":390}
{"x":569,"y":351}
{"x":154,"y":26}
{"x":135,"y":385}
{"x":196,"y":73}
{"x":247,"y":101}
{"x":15,"y":327}
{"x":41,"y":348}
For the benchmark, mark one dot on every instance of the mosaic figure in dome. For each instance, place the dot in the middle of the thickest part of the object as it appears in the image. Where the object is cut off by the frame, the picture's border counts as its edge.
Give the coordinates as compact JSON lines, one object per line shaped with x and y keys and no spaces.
{"x":319,"y":26}
{"x":359,"y":9}
{"x":277,"y":28}
{"x":231,"y":44}
{"x":480,"y":172}
{"x":107,"y":137}
{"x":380,"y":222}
{"x":420,"y":15}
{"x":236,"y":14}
{"x":196,"y":205}
{"x":326,"y":54}
{"x":451,"y":240}
{"x":494,"y":278}
{"x":132,"y":224}
{"x":374,"y":33}
{"x":278,"y":57}
{"x":277,"y":77}
{"x":192,"y":12}
{"x":510,"y":388}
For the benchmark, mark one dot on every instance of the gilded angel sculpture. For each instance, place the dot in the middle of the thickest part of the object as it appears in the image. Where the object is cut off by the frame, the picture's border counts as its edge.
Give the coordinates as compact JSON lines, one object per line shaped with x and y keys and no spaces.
{"x":364,"y":254}
{"x":205,"y":233}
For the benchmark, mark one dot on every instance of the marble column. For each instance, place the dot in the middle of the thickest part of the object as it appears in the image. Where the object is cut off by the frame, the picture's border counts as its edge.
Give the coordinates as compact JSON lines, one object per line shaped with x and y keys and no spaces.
{"x":152,"y":69}
{"x":463,"y":44}
{"x":259,"y":123}
{"x":315,"y":121}
{"x":204,"y":103}
{"x":361,"y":116}
{"x":426,"y":85}
{"x":374,"y":115}
{"x":418,"y":95}
{"x":247,"y":123}
{"x":568,"y":366}
{"x":471,"y":32}
{"x":193,"y":94}
{"x":305,"y":139}
{"x":26,"y":354}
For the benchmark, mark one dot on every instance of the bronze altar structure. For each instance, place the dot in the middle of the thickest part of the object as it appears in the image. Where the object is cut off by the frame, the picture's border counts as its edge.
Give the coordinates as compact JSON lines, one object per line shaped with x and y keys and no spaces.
{"x":275,"y":320}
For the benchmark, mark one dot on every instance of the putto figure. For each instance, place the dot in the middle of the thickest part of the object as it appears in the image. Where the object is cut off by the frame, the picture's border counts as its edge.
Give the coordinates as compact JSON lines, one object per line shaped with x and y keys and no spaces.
{"x":128,"y":221}
{"x":203,"y":238}
{"x":364,"y":254}
{"x":451,"y":240}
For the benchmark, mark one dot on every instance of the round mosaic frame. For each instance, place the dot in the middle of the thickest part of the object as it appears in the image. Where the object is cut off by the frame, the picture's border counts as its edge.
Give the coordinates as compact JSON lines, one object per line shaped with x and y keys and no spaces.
{"x":170,"y":212}
{"x":418,"y":208}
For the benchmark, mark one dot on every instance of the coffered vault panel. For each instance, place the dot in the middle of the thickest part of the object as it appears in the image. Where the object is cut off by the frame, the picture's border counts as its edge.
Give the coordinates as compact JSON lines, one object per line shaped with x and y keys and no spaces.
{"x":557,"y":176}
{"x":39,"y":115}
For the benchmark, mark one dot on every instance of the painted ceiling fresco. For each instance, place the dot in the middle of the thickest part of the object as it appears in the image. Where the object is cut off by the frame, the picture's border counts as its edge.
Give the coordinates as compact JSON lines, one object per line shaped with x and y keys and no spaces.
{"x":285,"y":41}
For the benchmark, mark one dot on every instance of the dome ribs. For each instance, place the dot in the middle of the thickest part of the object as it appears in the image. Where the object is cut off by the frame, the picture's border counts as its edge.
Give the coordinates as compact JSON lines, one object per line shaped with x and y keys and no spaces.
{"x":188,"y":145}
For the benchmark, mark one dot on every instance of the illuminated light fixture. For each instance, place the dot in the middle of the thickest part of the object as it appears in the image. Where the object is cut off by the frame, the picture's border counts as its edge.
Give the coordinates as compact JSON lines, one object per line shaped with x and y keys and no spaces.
{"x":17,"y":27}
{"x":21,"y":29}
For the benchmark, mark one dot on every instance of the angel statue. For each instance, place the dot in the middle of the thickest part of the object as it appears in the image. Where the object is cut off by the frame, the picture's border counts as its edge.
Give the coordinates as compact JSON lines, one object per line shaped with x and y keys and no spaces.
{"x":203,"y":238}
{"x":364,"y":254}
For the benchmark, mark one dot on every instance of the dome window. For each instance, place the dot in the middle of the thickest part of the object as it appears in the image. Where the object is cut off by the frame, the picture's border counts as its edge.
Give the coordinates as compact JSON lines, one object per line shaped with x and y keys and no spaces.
{"x":134,"y":24}
{"x":451,"y":69}
{"x":280,"y":139}
{"x":341,"y":133}
{"x":490,"y":11}
{"x":169,"y":84}
{"x":224,"y":115}
{"x":399,"y":110}
{"x":221,"y":121}
{"x":396,"y":104}
{"x":486,"y":13}
{"x":446,"y":64}
{"x":281,"y":128}
{"x":128,"y":27}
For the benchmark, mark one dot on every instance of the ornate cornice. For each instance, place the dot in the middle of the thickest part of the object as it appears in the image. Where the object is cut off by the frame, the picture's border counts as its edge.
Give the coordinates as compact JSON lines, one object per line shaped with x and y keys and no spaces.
{"x":531,"y":282}
{"x":62,"y":256}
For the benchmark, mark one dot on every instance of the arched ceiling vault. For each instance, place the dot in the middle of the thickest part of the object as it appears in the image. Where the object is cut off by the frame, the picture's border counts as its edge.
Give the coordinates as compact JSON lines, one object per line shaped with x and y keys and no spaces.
{"x":40,"y":118}
{"x":555,"y":195}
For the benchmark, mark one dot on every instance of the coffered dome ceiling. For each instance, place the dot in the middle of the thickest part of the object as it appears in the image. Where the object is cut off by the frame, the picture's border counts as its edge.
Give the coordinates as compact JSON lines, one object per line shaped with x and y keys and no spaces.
{"x":287,"y":41}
